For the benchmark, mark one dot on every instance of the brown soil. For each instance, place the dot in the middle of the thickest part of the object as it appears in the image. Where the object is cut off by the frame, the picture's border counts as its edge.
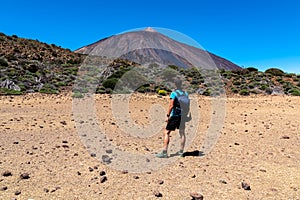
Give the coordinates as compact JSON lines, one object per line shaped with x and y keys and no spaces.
{"x":40,"y":147}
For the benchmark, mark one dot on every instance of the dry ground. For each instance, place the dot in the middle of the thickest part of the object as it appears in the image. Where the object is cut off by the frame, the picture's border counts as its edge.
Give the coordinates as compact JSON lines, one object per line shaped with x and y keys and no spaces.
{"x":259,"y":144}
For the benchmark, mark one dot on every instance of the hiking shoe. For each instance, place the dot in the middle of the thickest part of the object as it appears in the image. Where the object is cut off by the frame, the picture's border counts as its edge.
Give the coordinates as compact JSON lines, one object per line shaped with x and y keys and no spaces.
{"x":162,"y":155}
{"x":179,"y":153}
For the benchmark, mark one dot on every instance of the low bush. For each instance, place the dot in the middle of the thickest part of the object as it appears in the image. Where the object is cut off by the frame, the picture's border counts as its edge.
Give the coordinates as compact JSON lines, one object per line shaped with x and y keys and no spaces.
{"x":3,"y":63}
{"x":5,"y":91}
{"x":48,"y":89}
{"x":162,"y":92}
{"x":234,"y":90}
{"x":244,"y":92}
{"x":294,"y":92}
{"x":110,"y":83}
{"x":207,"y":92}
{"x":77,"y":95}
{"x":275,"y":72}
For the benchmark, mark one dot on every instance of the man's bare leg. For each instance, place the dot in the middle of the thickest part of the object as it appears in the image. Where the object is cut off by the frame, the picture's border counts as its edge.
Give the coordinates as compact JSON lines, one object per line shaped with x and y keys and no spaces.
{"x":166,"y":139}
{"x":182,"y":139}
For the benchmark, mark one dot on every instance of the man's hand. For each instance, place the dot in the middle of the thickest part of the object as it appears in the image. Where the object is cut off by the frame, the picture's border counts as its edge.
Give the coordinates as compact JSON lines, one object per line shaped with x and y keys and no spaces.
{"x":167,"y":119}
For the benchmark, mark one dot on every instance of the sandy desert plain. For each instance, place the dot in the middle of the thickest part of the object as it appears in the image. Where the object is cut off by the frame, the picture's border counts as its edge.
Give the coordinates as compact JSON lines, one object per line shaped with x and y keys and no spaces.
{"x":42,"y":155}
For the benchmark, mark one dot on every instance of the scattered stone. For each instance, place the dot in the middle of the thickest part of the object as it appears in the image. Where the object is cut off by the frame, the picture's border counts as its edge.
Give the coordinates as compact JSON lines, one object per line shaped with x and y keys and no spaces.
{"x":263,"y":170}
{"x":245,"y":186}
{"x":91,"y":169}
{"x":196,"y":196}
{"x":46,"y":190}
{"x":223,"y":181}
{"x":106,"y":159}
{"x":160,"y":182}
{"x":102,"y":173}
{"x":65,"y":141}
{"x":3,"y":188}
{"x":24,"y":176}
{"x":16,"y":142}
{"x":108,"y":151}
{"x":93,"y":154}
{"x":136,"y":177}
{"x":78,"y":173}
{"x":63,"y":122}
{"x":236,"y":143}
{"x":124,"y":172}
{"x":103,"y":179}
{"x":17,"y":192}
{"x":55,"y":189}
{"x":194,"y":176}
{"x":34,"y":148}
{"x":285,"y":137}
{"x":147,"y":160}
{"x":65,"y":146}
{"x":146,"y":149}
{"x":157,"y":193}
{"x":6,"y":173}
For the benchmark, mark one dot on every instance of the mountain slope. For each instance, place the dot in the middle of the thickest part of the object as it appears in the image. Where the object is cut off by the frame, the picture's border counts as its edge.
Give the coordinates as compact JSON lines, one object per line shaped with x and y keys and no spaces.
{"x":151,"y":46}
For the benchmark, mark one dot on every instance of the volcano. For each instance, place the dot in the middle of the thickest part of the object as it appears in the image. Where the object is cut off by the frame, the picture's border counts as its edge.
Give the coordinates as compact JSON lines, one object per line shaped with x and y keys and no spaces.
{"x":150,"y":46}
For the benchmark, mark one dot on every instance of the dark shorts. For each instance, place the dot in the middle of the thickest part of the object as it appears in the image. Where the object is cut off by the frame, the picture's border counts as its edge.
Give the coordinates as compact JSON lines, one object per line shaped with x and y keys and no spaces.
{"x":175,"y":123}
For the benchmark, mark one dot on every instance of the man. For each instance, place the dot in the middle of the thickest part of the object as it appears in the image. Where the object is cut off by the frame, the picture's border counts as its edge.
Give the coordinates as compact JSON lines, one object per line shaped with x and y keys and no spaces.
{"x":174,"y":120}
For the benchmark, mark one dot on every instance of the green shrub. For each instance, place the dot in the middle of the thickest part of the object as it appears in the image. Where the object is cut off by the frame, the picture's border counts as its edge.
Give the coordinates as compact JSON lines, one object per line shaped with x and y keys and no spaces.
{"x":280,"y":80}
{"x":234,"y":90}
{"x":5,"y":91}
{"x":207,"y":92}
{"x":252,"y":69}
{"x":173,"y":67}
{"x":275,"y":72}
{"x":294,"y":92}
{"x":60,"y":84}
{"x":255,"y":91}
{"x":77,"y":95}
{"x":290,"y":75}
{"x":110,"y":83}
{"x":263,"y":87}
{"x":251,"y":85}
{"x":237,"y":83}
{"x":3,"y":63}
{"x":244,"y":92}
{"x":162,"y":92}
{"x":48,"y":89}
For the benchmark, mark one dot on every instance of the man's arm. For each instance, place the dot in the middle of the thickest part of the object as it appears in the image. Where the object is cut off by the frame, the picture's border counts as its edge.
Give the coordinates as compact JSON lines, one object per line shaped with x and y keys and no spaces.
{"x":171,"y":104}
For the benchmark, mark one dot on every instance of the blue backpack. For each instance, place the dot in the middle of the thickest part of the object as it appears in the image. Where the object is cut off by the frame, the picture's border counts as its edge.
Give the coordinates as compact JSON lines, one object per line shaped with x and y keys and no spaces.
{"x":182,"y":104}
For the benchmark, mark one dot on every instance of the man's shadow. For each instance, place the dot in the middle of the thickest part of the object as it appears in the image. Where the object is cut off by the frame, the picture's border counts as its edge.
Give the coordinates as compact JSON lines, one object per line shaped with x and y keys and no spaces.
{"x":195,"y":153}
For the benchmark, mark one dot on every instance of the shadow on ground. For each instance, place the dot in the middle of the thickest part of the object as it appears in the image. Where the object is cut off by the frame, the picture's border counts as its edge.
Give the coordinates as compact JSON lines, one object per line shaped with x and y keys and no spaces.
{"x":195,"y":153}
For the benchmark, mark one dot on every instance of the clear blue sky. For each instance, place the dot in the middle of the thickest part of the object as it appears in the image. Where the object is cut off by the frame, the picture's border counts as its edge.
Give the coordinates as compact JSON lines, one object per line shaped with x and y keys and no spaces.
{"x":257,"y":33}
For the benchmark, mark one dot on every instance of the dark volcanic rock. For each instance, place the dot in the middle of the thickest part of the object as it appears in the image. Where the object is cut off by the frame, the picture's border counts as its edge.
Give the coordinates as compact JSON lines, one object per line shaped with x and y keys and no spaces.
{"x":157,"y":193}
{"x":245,"y":186}
{"x":103,"y":179}
{"x":24,"y":176}
{"x":196,"y":196}
{"x":102,"y":173}
{"x":6,"y":173}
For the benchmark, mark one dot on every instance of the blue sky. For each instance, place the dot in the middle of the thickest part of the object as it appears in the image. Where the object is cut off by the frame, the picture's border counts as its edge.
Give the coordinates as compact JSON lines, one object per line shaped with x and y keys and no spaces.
{"x":256,"y":33}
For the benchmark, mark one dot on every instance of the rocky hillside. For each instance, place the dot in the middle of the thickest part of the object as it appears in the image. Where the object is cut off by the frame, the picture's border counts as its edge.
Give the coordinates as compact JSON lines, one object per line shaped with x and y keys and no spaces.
{"x":32,"y":66}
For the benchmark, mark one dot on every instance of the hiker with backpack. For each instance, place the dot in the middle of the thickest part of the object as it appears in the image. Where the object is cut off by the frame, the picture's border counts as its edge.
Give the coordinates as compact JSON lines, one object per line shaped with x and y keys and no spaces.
{"x":176,"y":118}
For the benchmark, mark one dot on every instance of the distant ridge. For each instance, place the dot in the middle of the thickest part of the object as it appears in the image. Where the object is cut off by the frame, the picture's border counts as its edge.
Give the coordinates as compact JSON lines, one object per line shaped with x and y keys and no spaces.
{"x":148,"y":45}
